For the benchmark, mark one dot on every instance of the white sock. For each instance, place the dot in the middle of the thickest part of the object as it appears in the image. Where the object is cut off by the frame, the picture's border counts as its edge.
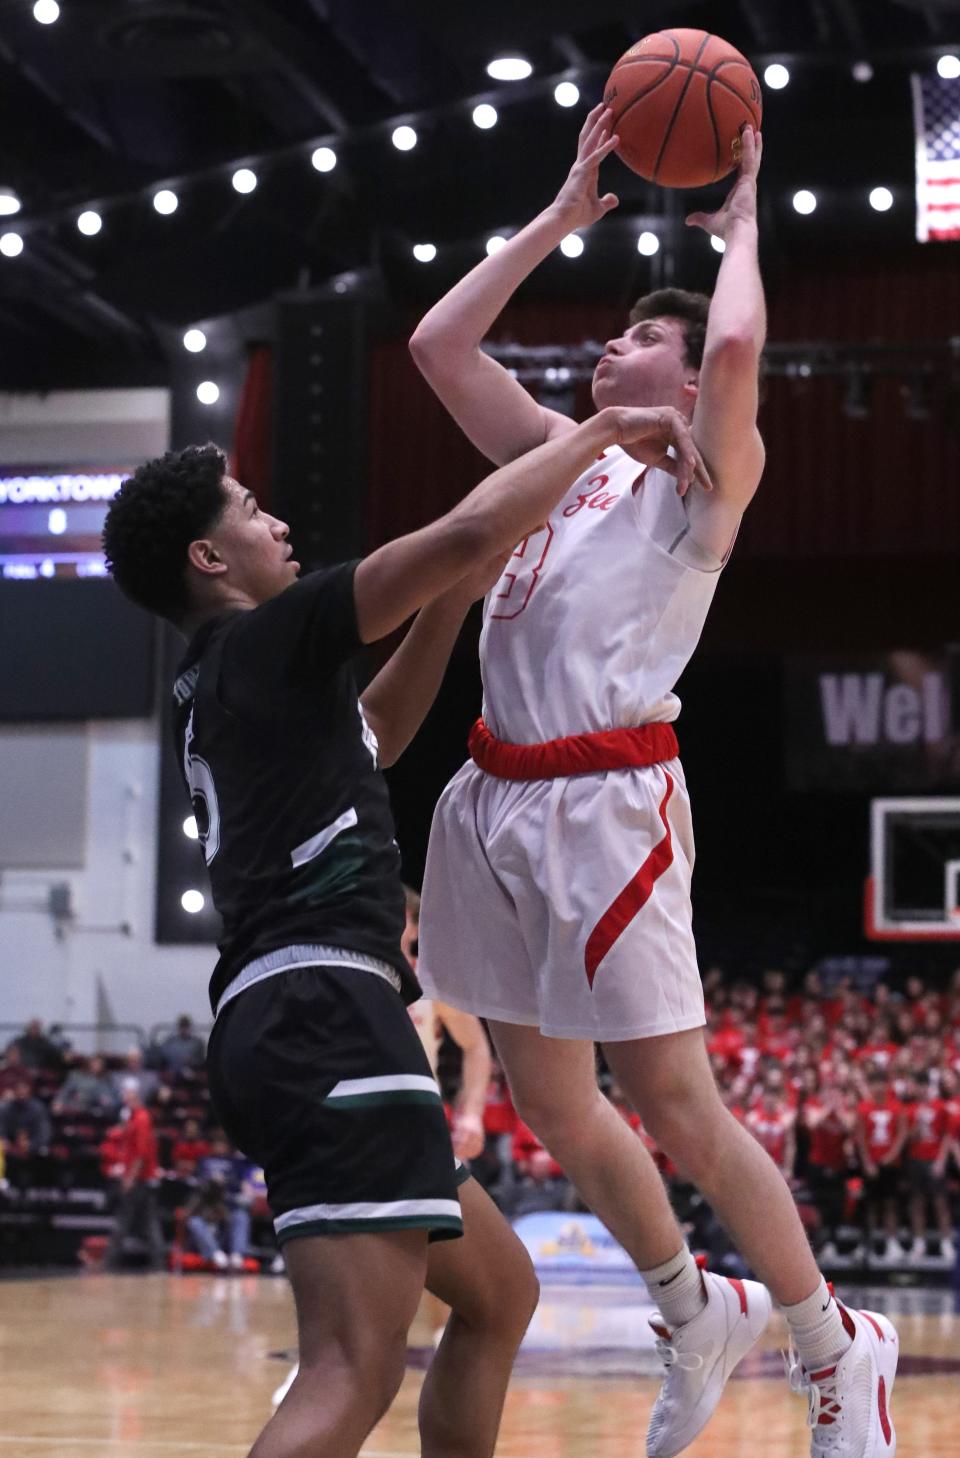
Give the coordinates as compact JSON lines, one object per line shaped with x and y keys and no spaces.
{"x":817,"y":1329}
{"x":677,"y":1288}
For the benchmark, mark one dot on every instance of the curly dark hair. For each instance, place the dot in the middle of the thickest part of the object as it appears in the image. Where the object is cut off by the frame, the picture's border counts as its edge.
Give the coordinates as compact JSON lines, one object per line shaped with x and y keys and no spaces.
{"x":165,"y":505}
{"x":690,"y":309}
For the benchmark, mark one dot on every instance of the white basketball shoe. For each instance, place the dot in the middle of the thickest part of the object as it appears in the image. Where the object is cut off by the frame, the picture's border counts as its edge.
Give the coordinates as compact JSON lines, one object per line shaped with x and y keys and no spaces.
{"x":699,"y":1357}
{"x":849,"y":1403}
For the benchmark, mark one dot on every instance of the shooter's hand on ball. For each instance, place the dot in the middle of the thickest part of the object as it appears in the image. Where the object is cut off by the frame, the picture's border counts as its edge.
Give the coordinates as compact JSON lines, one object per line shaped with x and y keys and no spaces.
{"x":741,"y":201}
{"x":578,"y":200}
{"x":647,"y":434}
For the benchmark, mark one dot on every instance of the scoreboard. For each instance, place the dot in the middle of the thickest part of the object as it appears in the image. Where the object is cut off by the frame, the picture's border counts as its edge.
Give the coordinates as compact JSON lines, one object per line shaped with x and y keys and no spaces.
{"x":51,"y":520}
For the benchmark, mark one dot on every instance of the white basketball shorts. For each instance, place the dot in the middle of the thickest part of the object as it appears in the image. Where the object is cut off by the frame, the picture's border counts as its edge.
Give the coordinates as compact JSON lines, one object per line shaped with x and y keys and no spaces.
{"x":564,"y":904}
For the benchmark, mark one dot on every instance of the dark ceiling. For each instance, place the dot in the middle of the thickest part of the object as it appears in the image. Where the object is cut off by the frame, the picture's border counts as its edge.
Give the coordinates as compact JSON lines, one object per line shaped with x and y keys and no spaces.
{"x":119,"y":97}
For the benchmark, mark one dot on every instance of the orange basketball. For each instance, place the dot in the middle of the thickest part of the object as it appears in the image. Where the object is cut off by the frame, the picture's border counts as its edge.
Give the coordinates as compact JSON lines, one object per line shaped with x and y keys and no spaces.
{"x":680,"y":99}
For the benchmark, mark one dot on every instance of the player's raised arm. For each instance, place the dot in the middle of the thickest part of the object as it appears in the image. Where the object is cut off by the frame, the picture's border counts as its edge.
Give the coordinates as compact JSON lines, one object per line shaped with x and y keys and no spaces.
{"x":500,"y":417}
{"x":395,"y":581}
{"x":725,"y":416}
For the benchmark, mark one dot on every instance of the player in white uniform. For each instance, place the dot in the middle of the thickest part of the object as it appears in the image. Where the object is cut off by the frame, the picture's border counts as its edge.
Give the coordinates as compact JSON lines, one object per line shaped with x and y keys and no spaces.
{"x":556,"y":900}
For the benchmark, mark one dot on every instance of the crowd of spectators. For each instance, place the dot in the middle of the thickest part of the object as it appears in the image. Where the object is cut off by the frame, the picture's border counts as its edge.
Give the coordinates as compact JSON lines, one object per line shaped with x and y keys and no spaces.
{"x":141,"y":1128}
{"x":854,"y":1093}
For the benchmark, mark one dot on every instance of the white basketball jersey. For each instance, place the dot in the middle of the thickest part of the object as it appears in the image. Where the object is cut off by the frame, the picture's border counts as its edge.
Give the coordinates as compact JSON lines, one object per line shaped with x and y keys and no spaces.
{"x":598,"y":613}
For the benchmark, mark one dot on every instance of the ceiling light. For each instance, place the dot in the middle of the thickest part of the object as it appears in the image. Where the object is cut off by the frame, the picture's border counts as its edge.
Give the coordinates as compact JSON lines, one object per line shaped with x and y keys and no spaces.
{"x":495,"y":243}
{"x":46,"y":12}
{"x":192,"y":901}
{"x":11,"y":244}
{"x":881,"y":199}
{"x":804,"y":201}
{"x":572,"y":245}
{"x":648,"y":244}
{"x":244,"y":179}
{"x":9,"y":202}
{"x":208,"y":393}
{"x":485,"y":116}
{"x":404,"y":139}
{"x":509,"y":68}
{"x":566,"y":94}
{"x":424,"y":252}
{"x":862,"y":71}
{"x":776,"y":76}
{"x":717,"y":243}
{"x":90,"y":223}
{"x":194,"y":340}
{"x":190,"y":828}
{"x":165,"y":201}
{"x":324,"y":159}
{"x":949,"y":67}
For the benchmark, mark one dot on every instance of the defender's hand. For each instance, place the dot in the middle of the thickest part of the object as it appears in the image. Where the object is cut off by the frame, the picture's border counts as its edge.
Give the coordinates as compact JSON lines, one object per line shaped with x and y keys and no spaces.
{"x":647,"y":434}
{"x":741,"y":200}
{"x":578,"y":200}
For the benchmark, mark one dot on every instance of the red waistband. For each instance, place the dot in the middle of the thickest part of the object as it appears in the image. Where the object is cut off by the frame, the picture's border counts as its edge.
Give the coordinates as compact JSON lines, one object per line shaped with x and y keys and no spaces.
{"x":577,"y":754}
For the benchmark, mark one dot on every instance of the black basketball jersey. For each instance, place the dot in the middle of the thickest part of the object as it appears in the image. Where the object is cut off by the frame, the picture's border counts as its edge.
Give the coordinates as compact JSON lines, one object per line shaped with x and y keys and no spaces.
{"x":294,"y":815}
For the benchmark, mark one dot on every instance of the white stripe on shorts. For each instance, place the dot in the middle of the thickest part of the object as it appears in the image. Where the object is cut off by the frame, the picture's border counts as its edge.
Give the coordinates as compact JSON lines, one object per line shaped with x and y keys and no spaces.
{"x":367,"y":1210}
{"x":351,"y":1088}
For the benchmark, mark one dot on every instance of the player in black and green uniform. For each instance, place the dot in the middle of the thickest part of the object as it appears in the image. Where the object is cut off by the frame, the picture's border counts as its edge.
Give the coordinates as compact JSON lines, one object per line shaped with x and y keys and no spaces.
{"x":315,"y":1068}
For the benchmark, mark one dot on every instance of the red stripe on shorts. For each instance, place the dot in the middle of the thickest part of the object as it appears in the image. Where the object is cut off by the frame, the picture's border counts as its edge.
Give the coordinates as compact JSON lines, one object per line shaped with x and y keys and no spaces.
{"x":634,"y":896}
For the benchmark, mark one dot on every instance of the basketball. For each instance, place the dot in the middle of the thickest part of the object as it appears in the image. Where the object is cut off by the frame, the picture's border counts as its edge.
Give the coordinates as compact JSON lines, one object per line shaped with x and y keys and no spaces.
{"x":680,"y":99}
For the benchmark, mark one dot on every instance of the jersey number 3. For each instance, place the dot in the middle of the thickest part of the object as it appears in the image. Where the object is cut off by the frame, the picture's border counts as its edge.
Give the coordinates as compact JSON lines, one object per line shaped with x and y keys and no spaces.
{"x":521,"y":574}
{"x":203,"y":793}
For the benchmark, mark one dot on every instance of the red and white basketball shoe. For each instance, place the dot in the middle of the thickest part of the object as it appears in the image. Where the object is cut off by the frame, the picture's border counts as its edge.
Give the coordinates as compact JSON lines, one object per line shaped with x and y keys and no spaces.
{"x":849,"y":1404}
{"x":699,"y":1357}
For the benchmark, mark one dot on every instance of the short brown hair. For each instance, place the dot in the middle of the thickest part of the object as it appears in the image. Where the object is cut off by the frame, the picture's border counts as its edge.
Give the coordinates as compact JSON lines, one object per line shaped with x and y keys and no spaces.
{"x":690,"y":309}
{"x":412,"y":901}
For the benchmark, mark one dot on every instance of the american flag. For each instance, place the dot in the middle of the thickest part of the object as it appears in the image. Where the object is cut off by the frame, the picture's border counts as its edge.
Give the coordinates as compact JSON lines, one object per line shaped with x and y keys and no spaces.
{"x":936,"y":114}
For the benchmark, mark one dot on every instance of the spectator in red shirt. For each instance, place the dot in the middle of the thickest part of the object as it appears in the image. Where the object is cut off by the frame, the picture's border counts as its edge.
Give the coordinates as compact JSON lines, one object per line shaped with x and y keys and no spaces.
{"x":950,"y":1092}
{"x":953,"y":1138}
{"x":776,"y":1039}
{"x":188,"y":1149}
{"x":879,"y":1047}
{"x":829,"y":1119}
{"x":880,"y":1134}
{"x":772,"y":1123}
{"x":726,"y":1041}
{"x":927,"y":1150}
{"x":137,"y":1167}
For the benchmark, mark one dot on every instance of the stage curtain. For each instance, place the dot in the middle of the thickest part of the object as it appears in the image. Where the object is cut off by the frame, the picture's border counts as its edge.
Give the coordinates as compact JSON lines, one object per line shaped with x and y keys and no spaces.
{"x":883,"y":486}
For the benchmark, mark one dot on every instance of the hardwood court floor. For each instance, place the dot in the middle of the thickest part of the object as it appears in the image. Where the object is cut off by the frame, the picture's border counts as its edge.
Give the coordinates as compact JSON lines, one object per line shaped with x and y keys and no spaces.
{"x":100,"y":1366}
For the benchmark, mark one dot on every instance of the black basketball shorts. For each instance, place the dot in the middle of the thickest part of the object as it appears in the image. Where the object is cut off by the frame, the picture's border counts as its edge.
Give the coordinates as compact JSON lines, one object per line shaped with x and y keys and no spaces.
{"x":317,"y":1074}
